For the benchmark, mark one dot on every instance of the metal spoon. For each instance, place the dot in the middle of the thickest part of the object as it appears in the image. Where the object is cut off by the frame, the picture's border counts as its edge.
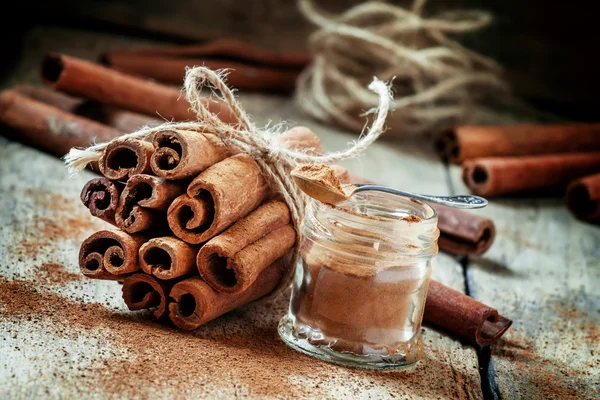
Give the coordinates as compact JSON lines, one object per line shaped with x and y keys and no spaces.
{"x":333,"y":195}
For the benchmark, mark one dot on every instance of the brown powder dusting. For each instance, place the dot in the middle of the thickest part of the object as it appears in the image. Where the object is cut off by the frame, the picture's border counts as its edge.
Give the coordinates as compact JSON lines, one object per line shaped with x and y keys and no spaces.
{"x":239,"y":354}
{"x":56,"y":273}
{"x":411,"y":218}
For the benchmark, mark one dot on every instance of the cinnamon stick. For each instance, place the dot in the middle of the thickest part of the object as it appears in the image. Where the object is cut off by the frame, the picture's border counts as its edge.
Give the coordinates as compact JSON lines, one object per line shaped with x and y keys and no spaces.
{"x":122,"y":120}
{"x":101,"y":197}
{"x":301,"y":138}
{"x":195,"y":302}
{"x":141,"y":291}
{"x":224,"y":48}
{"x":143,"y":203}
{"x":468,"y":142}
{"x":124,"y":158}
{"x":463,"y":316}
{"x":184,"y":154}
{"x":231,"y":261}
{"x":583,"y":198}
{"x":172,"y":70}
{"x":217,"y":198}
{"x":462,"y":232}
{"x":168,"y":258}
{"x":109,"y":254}
{"x":548,"y":174}
{"x":107,"y":86}
{"x":47,"y":127}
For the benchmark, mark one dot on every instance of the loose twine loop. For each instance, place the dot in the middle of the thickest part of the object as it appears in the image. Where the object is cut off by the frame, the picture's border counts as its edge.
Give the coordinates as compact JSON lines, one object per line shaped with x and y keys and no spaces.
{"x":275,"y":161}
{"x":436,"y":79}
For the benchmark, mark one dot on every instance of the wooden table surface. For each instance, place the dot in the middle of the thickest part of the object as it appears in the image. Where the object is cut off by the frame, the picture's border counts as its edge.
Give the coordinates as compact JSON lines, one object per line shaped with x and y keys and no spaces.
{"x":65,"y":336}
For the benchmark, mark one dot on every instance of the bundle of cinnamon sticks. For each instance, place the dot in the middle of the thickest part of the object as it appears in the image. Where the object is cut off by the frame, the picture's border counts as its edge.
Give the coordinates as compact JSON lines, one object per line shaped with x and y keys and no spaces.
{"x":530,"y":159}
{"x":197,"y":231}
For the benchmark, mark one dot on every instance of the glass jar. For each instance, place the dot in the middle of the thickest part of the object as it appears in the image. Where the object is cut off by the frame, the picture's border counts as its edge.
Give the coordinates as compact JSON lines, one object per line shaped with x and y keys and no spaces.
{"x":361,"y":282}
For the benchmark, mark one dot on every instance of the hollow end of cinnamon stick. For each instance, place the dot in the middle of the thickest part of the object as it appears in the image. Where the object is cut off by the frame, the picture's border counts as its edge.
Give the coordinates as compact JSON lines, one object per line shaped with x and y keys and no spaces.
{"x":142,"y":201}
{"x":141,"y":291}
{"x":109,"y":252}
{"x":51,"y":68}
{"x":189,"y":217}
{"x":583,"y":198}
{"x":447,"y":146}
{"x":168,"y":258}
{"x":101,"y":197}
{"x":492,"y":329}
{"x":124,"y":158}
{"x":476,"y":176}
{"x":184,"y":154}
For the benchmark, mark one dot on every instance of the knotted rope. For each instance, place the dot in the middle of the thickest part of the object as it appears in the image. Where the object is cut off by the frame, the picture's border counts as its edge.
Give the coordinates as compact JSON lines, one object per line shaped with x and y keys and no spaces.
{"x":274,"y":160}
{"x":436,"y":79}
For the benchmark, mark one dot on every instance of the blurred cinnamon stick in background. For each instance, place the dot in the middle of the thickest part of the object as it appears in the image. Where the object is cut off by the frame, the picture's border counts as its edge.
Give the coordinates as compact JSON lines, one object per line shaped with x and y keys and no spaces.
{"x":250,"y":67}
{"x":122,"y":120}
{"x":48,"y":127}
{"x":583,"y":198}
{"x":547,"y":174}
{"x":468,"y":142}
{"x":92,"y":81}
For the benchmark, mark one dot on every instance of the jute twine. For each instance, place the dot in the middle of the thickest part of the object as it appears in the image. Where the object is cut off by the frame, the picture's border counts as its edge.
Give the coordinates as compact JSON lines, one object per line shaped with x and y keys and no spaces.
{"x":436,"y":79}
{"x":275,"y":161}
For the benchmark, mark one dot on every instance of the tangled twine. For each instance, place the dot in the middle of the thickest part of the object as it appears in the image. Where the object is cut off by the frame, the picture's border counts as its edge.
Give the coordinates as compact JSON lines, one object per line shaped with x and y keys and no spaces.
{"x":274,"y":160}
{"x":436,"y":79}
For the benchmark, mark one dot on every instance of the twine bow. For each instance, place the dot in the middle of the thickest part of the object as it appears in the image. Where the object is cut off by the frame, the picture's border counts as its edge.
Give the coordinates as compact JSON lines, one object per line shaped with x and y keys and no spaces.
{"x":275,"y":161}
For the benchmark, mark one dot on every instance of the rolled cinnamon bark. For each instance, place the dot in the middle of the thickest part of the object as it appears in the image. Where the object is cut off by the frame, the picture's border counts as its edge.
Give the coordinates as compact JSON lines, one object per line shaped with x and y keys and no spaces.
{"x":141,"y":291}
{"x":101,"y":197}
{"x":168,"y":258}
{"x":107,"y":86}
{"x":172,"y":70}
{"x":225,"y":48}
{"x":122,"y":120}
{"x":583,"y":198}
{"x":143,"y":202}
{"x":463,"y":316}
{"x":468,"y":142}
{"x":232,"y":261}
{"x":548,"y":174}
{"x":47,"y":127}
{"x":184,"y":154}
{"x":195,"y":302}
{"x":462,"y":232}
{"x":109,"y":253}
{"x":124,"y":158}
{"x":301,"y":138}
{"x":217,"y":198}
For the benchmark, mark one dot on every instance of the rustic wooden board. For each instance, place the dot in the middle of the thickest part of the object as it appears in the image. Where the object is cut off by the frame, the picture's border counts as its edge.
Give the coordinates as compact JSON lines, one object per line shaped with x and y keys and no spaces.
{"x":543,"y":272}
{"x":66,"y":336}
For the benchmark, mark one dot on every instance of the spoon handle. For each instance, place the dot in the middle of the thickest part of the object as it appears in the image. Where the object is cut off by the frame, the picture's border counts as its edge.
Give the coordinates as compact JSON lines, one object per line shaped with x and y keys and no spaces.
{"x":463,"y":201}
